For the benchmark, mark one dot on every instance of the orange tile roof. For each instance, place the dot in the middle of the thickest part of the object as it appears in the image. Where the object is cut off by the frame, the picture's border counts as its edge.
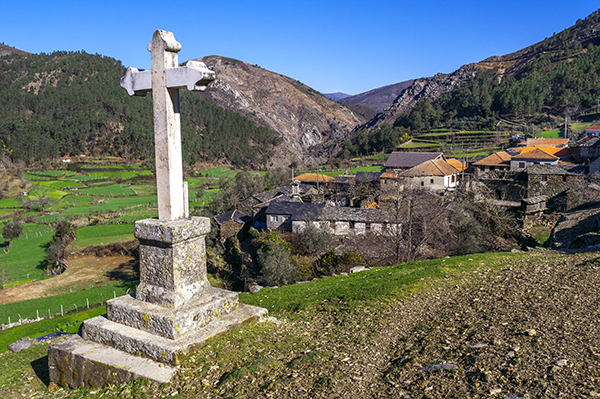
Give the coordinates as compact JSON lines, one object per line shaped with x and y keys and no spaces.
{"x":557,"y":151}
{"x":437,"y":167}
{"x":389,"y":175}
{"x":313,"y":177}
{"x":456,"y":163}
{"x":536,"y":153}
{"x":501,"y":158}
{"x":546,"y":142}
{"x":593,"y":128}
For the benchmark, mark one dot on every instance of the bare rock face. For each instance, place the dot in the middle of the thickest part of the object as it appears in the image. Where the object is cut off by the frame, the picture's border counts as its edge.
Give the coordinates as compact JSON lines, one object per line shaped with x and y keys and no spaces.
{"x":312,"y":126}
{"x":430,"y":88}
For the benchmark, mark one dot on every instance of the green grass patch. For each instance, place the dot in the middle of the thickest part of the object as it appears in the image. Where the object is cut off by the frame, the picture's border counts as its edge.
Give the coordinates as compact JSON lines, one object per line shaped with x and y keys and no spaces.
{"x":103,"y":234}
{"x":67,"y":323}
{"x":9,"y":203}
{"x":72,"y":301}
{"x":114,"y":190}
{"x":220,"y":172}
{"x":59,"y":184}
{"x":549,"y":134}
{"x":367,"y":287}
{"x":25,"y":255}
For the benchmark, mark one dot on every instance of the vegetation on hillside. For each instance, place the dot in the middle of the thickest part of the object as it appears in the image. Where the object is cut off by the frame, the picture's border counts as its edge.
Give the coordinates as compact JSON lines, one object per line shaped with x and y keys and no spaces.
{"x":561,"y":76}
{"x":71,"y":103}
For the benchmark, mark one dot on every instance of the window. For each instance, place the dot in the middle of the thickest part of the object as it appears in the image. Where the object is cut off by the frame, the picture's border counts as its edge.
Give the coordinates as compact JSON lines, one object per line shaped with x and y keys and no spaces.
{"x":431,"y":181}
{"x":564,"y":178}
{"x":521,"y":165}
{"x":273,"y":218}
{"x":422,"y":183}
{"x":544,"y":178}
{"x":351,"y":225}
{"x":368,"y":226}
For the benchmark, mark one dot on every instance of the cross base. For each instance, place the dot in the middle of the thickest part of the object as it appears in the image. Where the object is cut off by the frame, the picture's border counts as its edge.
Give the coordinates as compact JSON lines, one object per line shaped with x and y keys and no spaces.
{"x":125,"y":353}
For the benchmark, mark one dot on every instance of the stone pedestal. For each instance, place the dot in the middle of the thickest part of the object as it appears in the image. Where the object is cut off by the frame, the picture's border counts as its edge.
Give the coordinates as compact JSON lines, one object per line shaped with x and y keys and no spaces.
{"x":173,"y":311}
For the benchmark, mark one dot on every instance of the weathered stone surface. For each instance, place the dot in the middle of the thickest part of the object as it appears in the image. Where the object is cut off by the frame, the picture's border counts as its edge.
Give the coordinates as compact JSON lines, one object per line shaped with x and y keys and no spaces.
{"x":168,"y":322}
{"x":74,"y":362}
{"x":142,"y":343}
{"x":172,"y":260}
{"x":171,"y":232}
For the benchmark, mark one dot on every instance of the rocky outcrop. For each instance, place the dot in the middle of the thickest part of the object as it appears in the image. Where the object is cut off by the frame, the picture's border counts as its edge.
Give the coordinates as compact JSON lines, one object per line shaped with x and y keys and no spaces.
{"x":380,"y":98}
{"x":312,"y":126}
{"x":429,"y":88}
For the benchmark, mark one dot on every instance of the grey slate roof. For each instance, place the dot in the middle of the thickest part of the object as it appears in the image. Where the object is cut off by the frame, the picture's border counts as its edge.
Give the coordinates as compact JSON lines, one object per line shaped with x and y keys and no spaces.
{"x":549,"y":170}
{"x":234,"y":215}
{"x":407,"y":160}
{"x":296,"y":210}
{"x":367,"y":176}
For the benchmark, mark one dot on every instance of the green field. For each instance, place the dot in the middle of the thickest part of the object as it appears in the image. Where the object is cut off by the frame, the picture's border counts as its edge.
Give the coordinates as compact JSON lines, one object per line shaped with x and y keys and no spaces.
{"x":103,"y":234}
{"x":112,"y":190}
{"x":26,"y":255}
{"x":30,"y":309}
{"x":550,"y":134}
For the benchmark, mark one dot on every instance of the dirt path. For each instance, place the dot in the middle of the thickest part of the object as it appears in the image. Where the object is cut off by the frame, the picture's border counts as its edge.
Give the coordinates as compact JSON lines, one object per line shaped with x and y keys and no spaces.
{"x":82,"y":273}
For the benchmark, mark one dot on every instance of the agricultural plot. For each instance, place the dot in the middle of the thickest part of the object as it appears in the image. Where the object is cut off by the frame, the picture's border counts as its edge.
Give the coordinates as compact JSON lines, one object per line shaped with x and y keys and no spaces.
{"x":112,"y":190}
{"x":27,"y":255}
{"x":102,"y":235}
{"x":55,"y":305}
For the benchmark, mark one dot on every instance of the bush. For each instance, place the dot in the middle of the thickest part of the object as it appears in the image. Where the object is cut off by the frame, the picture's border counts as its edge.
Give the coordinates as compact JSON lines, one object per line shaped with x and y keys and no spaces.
{"x":275,"y":261}
{"x":315,"y":241}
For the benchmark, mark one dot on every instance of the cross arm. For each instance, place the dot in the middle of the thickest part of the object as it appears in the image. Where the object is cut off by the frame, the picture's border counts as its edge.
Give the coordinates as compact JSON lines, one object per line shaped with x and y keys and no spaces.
{"x":193,"y":75}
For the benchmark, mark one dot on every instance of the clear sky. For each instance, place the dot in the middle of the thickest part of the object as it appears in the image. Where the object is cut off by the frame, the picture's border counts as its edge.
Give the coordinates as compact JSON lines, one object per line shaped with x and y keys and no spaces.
{"x":347,"y":46}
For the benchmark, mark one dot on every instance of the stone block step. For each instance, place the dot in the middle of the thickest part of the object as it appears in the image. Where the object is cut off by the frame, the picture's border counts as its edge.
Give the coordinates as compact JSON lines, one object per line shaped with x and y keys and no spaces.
{"x":170,"y":351}
{"x":168,"y":322}
{"x":75,"y":362}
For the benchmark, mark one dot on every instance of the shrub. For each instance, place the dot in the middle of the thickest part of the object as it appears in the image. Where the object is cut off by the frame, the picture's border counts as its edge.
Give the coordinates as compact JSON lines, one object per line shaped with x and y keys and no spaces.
{"x":275,"y":261}
{"x":315,"y":241}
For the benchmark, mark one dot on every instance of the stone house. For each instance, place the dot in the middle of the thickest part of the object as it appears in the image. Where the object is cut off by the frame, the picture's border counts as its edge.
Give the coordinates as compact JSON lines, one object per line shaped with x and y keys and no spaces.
{"x":589,"y":147}
{"x":295,"y":217}
{"x":399,"y":161}
{"x":232,"y":223}
{"x":536,"y":156}
{"x":499,"y":161}
{"x":437,"y":175}
{"x":547,"y":187}
{"x":593,"y":130}
{"x":291,"y":216}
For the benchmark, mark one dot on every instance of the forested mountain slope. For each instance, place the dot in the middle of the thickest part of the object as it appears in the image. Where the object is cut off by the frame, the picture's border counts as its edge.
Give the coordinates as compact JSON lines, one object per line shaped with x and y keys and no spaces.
{"x":557,"y":76}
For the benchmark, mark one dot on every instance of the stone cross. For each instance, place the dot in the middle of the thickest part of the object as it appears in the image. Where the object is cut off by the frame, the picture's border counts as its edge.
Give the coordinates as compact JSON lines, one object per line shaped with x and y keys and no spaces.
{"x":164,"y":80}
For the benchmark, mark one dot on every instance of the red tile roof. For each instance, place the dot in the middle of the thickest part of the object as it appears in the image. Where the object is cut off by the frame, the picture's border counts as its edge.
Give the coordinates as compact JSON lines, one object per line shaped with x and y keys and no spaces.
{"x":547,"y":142}
{"x":497,"y":159}
{"x":594,"y":128}
{"x":437,"y":167}
{"x":312,"y":177}
{"x":537,"y":154}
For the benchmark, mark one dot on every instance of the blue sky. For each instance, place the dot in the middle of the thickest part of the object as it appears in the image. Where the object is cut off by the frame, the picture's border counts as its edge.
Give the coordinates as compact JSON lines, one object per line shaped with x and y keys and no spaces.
{"x":348,"y":46}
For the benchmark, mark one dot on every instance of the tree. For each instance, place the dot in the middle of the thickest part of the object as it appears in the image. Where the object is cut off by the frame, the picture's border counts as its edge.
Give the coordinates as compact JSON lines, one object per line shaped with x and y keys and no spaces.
{"x":275,"y":261}
{"x":315,"y":241}
{"x":12,"y":230}
{"x":56,"y":251}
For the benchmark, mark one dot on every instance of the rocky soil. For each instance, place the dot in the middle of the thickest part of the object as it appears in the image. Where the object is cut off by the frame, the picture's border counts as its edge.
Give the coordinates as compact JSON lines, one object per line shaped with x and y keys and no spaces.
{"x":528,"y":331}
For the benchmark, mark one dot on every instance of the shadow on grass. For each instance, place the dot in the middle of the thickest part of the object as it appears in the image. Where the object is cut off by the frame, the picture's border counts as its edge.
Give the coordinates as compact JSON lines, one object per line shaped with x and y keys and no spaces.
{"x":40,"y":368}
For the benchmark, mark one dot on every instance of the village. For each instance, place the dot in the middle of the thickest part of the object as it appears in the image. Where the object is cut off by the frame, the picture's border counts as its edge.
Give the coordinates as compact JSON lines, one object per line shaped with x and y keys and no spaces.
{"x":537,"y":175}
